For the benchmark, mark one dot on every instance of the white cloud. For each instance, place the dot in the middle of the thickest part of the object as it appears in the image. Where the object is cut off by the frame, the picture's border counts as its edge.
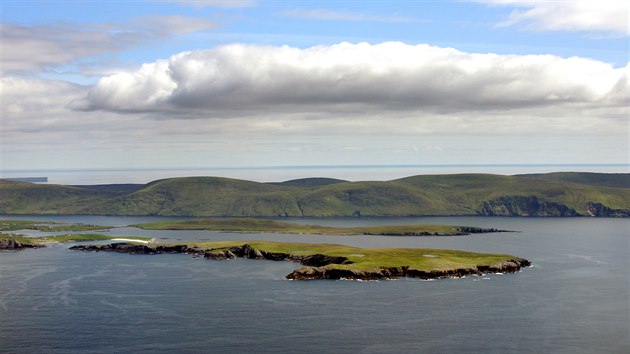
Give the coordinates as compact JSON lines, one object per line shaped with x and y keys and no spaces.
{"x":361,"y":80}
{"x":40,"y":130}
{"x":330,"y":15}
{"x":573,"y":15}
{"x":38,"y":47}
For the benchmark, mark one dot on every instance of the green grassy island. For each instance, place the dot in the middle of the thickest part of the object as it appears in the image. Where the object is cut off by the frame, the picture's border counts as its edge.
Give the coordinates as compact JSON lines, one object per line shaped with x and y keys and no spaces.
{"x":47,"y":226}
{"x":18,"y":241}
{"x":332,"y":261}
{"x":262,"y":225}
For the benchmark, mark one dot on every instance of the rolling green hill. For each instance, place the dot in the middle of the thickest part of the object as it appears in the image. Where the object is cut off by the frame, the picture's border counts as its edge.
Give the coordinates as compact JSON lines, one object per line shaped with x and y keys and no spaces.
{"x":556,"y":194}
{"x":613,"y":180}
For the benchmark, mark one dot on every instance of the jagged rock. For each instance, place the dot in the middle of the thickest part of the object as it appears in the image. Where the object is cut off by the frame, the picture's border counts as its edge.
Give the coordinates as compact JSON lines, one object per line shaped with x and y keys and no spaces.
{"x":508,"y":266}
{"x":306,"y":273}
{"x":599,"y":209}
{"x":195,"y":251}
{"x":229,"y":254}
{"x":275,"y":256}
{"x":11,"y":244}
{"x":251,"y":253}
{"x":320,"y":260}
{"x":122,"y":247}
{"x":478,"y":230}
{"x":216,"y":255}
{"x":219,"y":254}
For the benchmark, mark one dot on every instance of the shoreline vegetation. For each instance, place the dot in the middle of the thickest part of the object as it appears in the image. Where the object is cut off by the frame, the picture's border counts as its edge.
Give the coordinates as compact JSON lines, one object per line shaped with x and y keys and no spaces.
{"x":11,"y":241}
{"x":332,"y":261}
{"x":552,"y":194}
{"x":18,"y":242}
{"x":271,"y":226}
{"x":47,"y":226}
{"x":15,"y":241}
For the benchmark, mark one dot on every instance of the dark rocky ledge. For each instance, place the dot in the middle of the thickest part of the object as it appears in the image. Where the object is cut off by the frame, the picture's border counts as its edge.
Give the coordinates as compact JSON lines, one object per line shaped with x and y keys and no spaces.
{"x":461,"y":231}
{"x":307,"y":273}
{"x":11,"y":244}
{"x":314,"y":265}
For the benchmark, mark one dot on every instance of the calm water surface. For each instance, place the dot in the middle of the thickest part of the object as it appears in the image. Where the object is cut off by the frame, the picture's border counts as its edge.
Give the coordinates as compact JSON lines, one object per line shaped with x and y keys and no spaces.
{"x":574,"y":300}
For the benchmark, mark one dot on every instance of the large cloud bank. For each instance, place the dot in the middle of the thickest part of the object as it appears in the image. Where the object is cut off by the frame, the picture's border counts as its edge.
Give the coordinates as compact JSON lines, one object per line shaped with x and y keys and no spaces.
{"x":388,"y":77}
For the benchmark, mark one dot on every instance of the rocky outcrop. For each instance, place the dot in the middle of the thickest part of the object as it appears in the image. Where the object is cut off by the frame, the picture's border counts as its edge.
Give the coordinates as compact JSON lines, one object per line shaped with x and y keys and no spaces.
{"x":219,"y":255}
{"x":11,"y":244}
{"x":419,"y":233}
{"x":460,"y":231}
{"x":523,"y":206}
{"x":319,"y":260}
{"x":308,"y":273}
{"x":465,"y":230}
{"x":122,"y":247}
{"x":599,"y":209}
{"x":244,"y":251}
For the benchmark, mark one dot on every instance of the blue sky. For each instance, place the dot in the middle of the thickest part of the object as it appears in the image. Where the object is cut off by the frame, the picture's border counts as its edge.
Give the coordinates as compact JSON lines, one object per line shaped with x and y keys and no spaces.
{"x":170,"y":84}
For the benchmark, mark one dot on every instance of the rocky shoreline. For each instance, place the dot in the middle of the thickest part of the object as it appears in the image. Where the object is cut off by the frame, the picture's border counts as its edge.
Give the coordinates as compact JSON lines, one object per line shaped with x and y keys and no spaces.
{"x":10,"y":244}
{"x":315,"y":266}
{"x":460,"y":231}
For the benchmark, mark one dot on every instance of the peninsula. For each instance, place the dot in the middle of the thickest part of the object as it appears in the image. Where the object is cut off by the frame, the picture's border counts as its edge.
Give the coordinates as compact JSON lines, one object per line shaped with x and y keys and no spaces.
{"x":332,"y":261}
{"x":271,"y":226}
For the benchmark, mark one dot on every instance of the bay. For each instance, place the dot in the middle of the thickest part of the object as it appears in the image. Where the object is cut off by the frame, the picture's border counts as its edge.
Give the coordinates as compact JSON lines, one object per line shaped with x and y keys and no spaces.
{"x":574,"y":299}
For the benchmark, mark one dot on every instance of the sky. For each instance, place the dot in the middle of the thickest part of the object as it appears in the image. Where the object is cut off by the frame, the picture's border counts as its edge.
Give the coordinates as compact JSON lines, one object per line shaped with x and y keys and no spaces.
{"x":254,"y":83}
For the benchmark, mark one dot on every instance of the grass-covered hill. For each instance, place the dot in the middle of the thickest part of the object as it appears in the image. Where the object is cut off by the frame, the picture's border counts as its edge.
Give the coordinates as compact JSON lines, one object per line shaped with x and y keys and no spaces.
{"x":557,"y":194}
{"x":613,"y":180}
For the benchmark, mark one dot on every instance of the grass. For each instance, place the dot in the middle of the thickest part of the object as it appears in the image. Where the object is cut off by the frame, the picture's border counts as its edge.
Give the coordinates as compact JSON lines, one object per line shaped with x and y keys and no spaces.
{"x":457,"y":194}
{"x":367,"y":259}
{"x":258,"y":225}
{"x":67,"y":238}
{"x":47,"y":226}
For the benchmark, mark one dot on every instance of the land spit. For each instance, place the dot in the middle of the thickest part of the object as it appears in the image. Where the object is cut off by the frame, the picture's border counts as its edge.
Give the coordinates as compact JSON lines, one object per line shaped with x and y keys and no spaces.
{"x":322,"y":266}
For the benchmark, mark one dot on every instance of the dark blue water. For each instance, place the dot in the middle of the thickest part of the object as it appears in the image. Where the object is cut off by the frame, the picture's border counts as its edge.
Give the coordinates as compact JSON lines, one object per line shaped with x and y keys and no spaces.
{"x":574,"y":300}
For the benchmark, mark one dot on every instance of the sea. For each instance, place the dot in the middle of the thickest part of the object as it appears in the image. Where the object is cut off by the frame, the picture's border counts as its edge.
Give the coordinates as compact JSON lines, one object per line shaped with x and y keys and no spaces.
{"x":574,"y":299}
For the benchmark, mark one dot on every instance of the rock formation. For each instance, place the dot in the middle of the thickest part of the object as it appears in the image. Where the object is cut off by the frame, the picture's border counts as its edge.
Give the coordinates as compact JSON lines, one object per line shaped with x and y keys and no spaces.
{"x":11,"y":244}
{"x":524,"y":206}
{"x":306,"y":273}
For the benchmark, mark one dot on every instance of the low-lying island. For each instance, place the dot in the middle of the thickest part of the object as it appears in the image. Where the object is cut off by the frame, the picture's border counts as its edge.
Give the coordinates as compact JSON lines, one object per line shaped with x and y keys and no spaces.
{"x":332,"y":261}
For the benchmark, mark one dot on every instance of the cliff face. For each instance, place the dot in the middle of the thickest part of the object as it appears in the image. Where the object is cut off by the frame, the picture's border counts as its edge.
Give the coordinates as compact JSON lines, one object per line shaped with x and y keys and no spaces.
{"x":524,"y":206}
{"x":598,"y":209}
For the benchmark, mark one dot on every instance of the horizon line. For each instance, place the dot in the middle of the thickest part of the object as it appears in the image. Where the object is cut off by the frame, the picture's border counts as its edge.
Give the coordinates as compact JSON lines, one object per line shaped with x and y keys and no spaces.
{"x":359,"y":166}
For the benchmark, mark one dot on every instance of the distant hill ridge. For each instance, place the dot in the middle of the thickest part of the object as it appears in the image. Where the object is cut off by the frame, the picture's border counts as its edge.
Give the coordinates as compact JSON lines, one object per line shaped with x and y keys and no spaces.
{"x":613,"y":180}
{"x":553,"y":194}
